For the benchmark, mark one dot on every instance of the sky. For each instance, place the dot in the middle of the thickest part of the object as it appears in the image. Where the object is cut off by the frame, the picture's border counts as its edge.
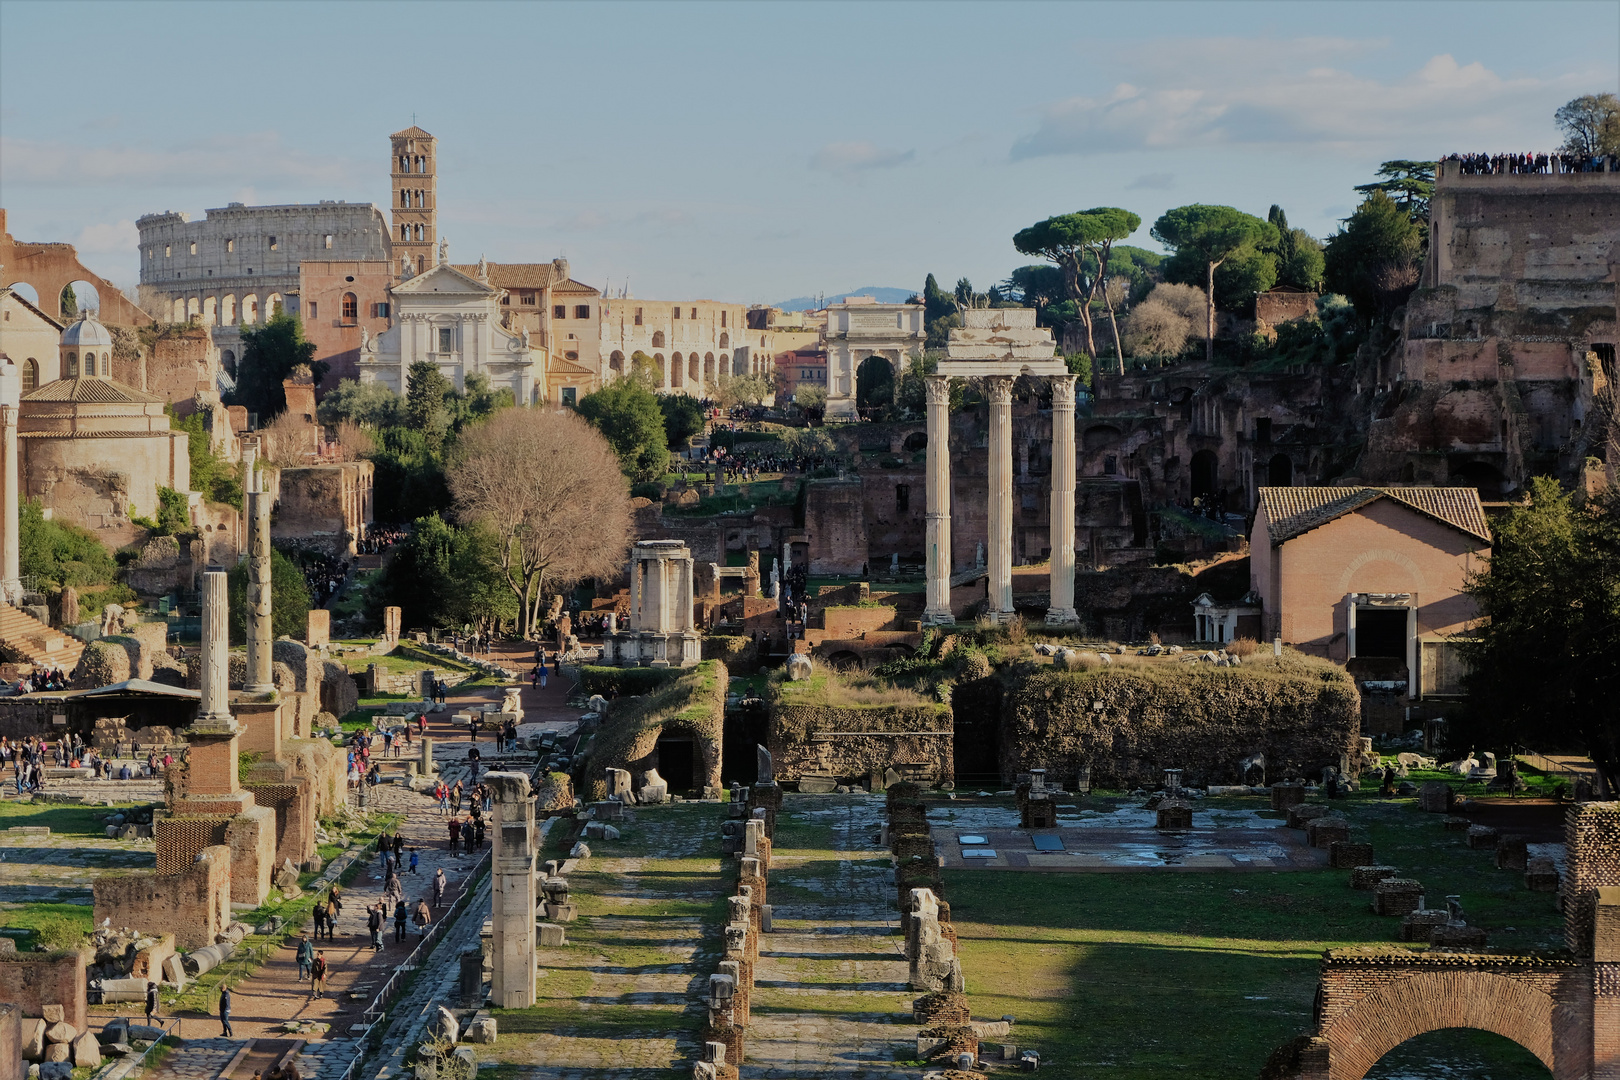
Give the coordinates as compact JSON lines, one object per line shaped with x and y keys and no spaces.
{"x":751,"y":152}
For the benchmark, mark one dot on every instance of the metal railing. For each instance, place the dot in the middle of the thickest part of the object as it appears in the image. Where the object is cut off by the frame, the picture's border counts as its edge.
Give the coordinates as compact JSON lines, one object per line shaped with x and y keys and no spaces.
{"x":169,"y":1027}
{"x":377,"y":1011}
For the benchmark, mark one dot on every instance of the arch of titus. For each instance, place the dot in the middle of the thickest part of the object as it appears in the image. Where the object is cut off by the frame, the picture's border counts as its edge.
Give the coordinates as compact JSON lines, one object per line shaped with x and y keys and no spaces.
{"x":997,"y":346}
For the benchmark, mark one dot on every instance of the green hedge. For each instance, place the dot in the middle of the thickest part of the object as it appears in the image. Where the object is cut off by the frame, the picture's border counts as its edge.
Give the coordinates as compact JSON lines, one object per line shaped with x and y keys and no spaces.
{"x":627,"y":681}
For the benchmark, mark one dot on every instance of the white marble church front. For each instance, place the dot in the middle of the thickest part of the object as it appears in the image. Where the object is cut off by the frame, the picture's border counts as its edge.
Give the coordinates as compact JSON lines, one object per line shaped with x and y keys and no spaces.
{"x":453,"y":320}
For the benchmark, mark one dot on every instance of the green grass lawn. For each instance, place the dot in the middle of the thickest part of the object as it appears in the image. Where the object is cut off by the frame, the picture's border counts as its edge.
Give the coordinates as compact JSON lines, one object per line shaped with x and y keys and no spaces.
{"x":1143,"y":975}
{"x":62,"y":819}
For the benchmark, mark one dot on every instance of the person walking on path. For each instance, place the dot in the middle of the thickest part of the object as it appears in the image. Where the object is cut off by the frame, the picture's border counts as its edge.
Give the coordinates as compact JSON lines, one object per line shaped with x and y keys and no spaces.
{"x":439,"y":886}
{"x":151,"y":1003}
{"x":454,"y":827}
{"x":399,"y":847}
{"x":335,"y":897}
{"x":413,"y":860}
{"x":423,"y":917}
{"x":225,"y":1011}
{"x":317,"y":977}
{"x":399,"y":920}
{"x":374,"y":921}
{"x":306,"y":956}
{"x":323,"y":919}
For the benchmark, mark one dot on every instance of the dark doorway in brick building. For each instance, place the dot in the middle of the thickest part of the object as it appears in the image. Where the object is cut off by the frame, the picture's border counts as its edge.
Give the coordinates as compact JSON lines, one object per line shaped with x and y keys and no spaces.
{"x":1381,"y":633}
{"x":745,"y":729}
{"x":675,"y":758}
{"x":1205,"y":473}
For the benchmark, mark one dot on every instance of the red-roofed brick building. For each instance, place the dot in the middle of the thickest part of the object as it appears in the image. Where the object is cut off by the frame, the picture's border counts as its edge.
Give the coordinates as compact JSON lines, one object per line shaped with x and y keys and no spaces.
{"x":1370,"y":574}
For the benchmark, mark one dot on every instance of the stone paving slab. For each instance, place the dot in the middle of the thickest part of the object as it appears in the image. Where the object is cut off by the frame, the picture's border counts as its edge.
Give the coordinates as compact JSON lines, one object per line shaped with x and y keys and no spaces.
{"x":830,"y":995}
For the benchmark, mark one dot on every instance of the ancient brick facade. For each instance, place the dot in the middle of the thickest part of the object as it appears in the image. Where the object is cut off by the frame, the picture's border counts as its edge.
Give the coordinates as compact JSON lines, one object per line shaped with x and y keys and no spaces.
{"x":32,"y":980}
{"x":195,"y":901}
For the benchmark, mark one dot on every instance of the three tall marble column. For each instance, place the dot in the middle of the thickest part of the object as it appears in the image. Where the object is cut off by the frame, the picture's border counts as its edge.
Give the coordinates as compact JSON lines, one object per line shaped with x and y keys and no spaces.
{"x":998,"y":388}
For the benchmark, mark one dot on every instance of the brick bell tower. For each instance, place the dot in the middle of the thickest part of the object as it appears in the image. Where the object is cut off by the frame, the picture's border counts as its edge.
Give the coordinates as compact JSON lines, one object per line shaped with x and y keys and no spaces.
{"x":415,"y":201}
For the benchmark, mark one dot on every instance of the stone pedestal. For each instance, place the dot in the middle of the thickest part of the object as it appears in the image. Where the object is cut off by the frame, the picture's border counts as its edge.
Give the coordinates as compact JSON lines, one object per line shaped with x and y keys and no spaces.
{"x":938,"y":538}
{"x":513,"y":896}
{"x":999,"y":391}
{"x":1061,"y":611}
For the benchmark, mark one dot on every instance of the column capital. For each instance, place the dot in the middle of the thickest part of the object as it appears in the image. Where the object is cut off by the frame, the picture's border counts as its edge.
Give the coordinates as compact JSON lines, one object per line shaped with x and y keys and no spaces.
{"x":1000,"y":389}
{"x":1062,"y":391}
{"x":938,"y":388}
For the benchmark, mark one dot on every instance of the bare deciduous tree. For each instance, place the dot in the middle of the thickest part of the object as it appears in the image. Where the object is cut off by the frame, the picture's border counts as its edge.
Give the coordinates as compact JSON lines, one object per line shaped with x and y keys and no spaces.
{"x":549,"y":486}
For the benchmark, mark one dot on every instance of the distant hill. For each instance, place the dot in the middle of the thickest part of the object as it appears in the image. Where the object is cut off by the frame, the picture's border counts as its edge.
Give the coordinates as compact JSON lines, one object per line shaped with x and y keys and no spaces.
{"x":882,"y":294}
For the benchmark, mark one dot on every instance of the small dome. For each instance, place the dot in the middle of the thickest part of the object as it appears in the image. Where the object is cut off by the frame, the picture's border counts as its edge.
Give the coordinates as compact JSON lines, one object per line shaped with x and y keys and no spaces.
{"x":86,"y":333}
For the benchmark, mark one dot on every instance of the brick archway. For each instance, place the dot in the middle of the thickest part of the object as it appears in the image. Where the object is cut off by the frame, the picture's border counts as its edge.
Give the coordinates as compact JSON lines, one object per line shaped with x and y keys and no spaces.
{"x":1416,"y":1003}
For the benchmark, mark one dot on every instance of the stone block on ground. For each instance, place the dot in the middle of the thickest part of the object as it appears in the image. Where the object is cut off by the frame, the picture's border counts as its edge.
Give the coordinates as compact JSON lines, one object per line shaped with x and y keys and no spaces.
{"x":1482,"y":837}
{"x":54,"y":1070}
{"x":1541,"y":875}
{"x":57,"y":1052}
{"x":1284,"y":795}
{"x":1512,"y":852}
{"x":1326,"y":830}
{"x":1458,"y":937}
{"x":1436,"y":797}
{"x":1368,"y":877}
{"x":1397,"y":896}
{"x":448,"y":1027}
{"x":1300,"y":813}
{"x":1456,"y":824}
{"x":61,"y":1032}
{"x":482,"y":1030}
{"x":33,"y":1039}
{"x":1419,"y":926}
{"x":86,"y":1052}
{"x":552,"y":935}
{"x":1346,"y":854}
{"x":53,"y":1014}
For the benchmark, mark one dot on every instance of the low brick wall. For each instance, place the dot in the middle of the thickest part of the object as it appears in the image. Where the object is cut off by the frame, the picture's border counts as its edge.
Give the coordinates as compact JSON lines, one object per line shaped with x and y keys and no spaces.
{"x":34,"y":980}
{"x":195,"y":903}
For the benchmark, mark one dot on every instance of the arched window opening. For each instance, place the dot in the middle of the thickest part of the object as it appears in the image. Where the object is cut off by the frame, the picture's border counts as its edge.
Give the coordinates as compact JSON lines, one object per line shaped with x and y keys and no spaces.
{"x":616,"y":361}
{"x":30,"y":374}
{"x":70,"y":365}
{"x":725,"y":341}
{"x":351,"y":307}
{"x":658,"y":339}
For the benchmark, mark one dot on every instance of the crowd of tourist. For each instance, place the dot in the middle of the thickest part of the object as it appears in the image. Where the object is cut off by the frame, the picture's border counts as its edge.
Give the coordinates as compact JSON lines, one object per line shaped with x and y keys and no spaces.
{"x":380,"y":538}
{"x":31,"y":756}
{"x":42,"y":679}
{"x":1496,"y":164}
{"x":323,"y":573}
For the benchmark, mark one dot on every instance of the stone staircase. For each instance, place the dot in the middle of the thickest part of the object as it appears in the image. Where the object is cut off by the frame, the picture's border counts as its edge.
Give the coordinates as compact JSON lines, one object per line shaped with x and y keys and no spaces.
{"x":31,"y":641}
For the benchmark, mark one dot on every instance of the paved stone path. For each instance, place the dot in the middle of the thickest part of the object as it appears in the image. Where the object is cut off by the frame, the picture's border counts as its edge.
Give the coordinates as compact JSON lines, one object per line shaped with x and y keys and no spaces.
{"x":830,"y":995}
{"x":622,"y":1000}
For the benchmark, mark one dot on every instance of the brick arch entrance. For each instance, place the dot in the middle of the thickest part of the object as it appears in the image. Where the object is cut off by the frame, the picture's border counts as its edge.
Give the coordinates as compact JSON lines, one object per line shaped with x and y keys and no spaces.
{"x":1426,"y":1001}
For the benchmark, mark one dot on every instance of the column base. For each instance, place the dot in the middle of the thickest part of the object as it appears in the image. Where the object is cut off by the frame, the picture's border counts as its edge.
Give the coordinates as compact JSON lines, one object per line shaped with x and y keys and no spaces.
{"x":936,"y":617}
{"x":1062,"y":617}
{"x":1001,"y":616}
{"x":259,"y":688}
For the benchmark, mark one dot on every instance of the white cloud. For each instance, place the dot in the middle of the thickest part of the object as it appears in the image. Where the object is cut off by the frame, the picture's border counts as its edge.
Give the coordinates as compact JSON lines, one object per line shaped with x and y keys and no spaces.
{"x":1158,"y":181}
{"x":119,"y":237}
{"x":223,"y":159}
{"x":1188,"y":95}
{"x":858,"y":156}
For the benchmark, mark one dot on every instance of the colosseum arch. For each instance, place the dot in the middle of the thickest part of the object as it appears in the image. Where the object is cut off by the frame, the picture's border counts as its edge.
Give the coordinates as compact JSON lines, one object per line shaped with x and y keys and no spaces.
{"x":694,"y":374}
{"x":709,"y":373}
{"x":658,"y":339}
{"x":677,"y":370}
{"x":616,"y":362}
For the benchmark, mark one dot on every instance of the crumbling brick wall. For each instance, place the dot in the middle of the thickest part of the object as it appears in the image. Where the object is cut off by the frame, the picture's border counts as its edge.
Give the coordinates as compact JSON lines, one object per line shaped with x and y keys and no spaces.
{"x":33,"y":980}
{"x":1194,"y":717}
{"x":854,"y":742}
{"x":196,"y":902}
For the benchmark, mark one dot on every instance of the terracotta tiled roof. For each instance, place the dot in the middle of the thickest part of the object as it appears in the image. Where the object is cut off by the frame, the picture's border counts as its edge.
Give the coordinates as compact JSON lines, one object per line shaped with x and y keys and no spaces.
{"x":92,"y":391}
{"x":515,"y":275}
{"x":1291,"y":511}
{"x":412,"y":132}
{"x":571,"y":287}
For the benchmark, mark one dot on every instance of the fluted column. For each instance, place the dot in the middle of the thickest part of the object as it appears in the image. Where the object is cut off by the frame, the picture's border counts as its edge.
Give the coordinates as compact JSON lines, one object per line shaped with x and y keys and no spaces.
{"x":938,"y":536}
{"x":1061,"y":612}
{"x":1000,"y":392}
{"x":10,"y":478}
{"x":216,"y":705}
{"x":259,"y":636}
